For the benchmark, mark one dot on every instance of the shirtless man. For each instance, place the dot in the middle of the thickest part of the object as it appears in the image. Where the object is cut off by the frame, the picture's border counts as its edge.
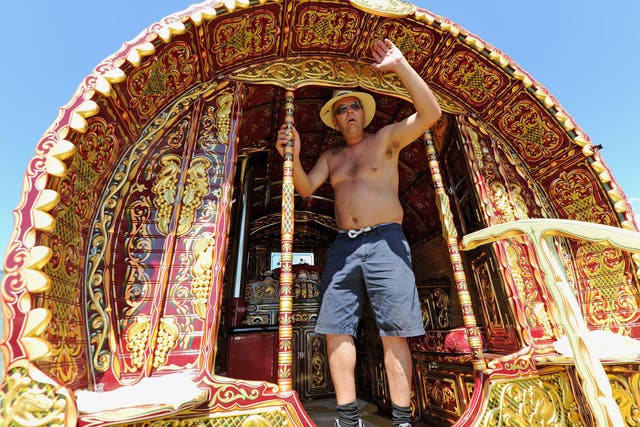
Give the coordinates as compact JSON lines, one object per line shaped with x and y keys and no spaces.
{"x":370,"y":252}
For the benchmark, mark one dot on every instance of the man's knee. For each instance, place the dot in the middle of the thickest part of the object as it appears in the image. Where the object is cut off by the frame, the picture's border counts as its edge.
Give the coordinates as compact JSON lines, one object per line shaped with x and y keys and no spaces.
{"x":394,"y":343}
{"x":335,"y":342}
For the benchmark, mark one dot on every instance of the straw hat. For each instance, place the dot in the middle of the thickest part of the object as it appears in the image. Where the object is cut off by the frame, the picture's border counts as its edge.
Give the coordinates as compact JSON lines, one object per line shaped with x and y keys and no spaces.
{"x":368,"y":104}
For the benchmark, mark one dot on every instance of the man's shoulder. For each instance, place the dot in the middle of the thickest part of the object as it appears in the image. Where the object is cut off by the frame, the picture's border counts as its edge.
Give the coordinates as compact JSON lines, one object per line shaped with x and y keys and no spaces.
{"x":333,"y":151}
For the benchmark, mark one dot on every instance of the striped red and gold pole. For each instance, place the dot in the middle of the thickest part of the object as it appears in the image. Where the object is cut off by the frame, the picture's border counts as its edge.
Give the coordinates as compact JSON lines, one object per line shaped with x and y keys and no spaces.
{"x":451,"y":237}
{"x":285,"y":328}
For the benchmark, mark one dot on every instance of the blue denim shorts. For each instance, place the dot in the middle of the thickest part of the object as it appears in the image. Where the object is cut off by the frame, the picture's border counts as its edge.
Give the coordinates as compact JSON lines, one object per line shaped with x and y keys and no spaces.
{"x":378,"y":262}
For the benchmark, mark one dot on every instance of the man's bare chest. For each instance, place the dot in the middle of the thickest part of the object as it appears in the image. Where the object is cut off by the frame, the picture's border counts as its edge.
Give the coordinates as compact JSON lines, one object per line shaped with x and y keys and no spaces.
{"x":352,"y":164}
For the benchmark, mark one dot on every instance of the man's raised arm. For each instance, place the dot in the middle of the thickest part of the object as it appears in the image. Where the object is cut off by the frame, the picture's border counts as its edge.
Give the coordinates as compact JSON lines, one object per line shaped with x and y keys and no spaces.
{"x":390,"y":59}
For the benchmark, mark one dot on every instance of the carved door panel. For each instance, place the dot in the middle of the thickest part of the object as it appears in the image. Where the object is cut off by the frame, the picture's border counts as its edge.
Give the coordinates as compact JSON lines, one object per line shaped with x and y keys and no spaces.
{"x":164,"y":224}
{"x":444,"y":391}
{"x":467,"y":186}
{"x":500,"y":331}
{"x":312,"y":376}
{"x":197,"y":244}
{"x":317,"y":366}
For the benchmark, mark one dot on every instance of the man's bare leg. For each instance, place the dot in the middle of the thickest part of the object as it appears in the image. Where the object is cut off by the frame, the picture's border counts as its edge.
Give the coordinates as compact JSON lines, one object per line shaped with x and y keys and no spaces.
{"x":342,"y":363}
{"x":397,"y":361}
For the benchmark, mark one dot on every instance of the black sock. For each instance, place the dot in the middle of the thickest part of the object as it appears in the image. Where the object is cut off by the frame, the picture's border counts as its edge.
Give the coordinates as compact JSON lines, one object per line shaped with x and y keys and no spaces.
{"x":401,"y":415}
{"x":348,"y":414}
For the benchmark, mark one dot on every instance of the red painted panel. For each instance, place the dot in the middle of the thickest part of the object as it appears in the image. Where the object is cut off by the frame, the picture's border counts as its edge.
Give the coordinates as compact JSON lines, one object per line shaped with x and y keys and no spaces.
{"x":253,"y":356}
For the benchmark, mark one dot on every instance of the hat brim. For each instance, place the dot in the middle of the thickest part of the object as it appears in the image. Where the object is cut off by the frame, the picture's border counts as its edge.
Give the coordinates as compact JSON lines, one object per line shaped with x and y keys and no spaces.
{"x":368,"y":105}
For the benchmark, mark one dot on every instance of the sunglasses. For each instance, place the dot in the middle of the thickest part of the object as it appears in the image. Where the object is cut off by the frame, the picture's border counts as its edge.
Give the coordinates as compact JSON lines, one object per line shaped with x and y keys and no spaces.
{"x":355,"y":106}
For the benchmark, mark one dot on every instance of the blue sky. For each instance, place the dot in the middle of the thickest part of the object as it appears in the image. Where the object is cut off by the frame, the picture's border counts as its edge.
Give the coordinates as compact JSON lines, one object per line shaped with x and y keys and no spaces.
{"x":584,"y":52}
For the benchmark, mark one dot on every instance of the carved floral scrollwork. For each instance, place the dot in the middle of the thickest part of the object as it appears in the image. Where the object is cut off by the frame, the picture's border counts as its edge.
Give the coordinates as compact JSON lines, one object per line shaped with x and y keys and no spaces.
{"x":197,"y":186}
{"x":626,"y":392}
{"x":441,"y":393}
{"x":322,"y":26}
{"x":344,"y":72}
{"x":227,"y":393}
{"x":318,"y":361}
{"x":202,"y":272}
{"x":610,"y":301}
{"x":166,"y":190}
{"x":531,"y":130}
{"x":237,"y":38}
{"x":542,"y":401}
{"x":137,"y":284}
{"x":478,"y":83}
{"x":215,"y":123}
{"x":173,"y":70}
{"x":26,"y":401}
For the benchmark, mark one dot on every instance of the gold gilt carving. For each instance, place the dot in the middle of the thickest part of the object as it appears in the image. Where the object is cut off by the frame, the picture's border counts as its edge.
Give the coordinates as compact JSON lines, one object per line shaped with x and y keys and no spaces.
{"x":317,"y":361}
{"x":215,"y":123}
{"x":299,"y":216}
{"x":626,"y":393}
{"x":98,"y":310}
{"x":138,"y":251}
{"x":535,"y":136}
{"x":28,"y":401}
{"x":520,"y":361}
{"x":541,"y":232}
{"x":489,"y":301}
{"x":202,"y":272}
{"x":321,"y":27}
{"x":223,"y":116}
{"x":542,"y":401}
{"x":297,"y":72}
{"x":166,"y":189}
{"x":239,"y":37}
{"x":196,"y":187}
{"x":137,"y":337}
{"x":502,"y":202}
{"x":173,"y":70}
{"x":441,"y":393}
{"x":98,"y":314}
{"x":386,"y":8}
{"x":534,"y":310}
{"x":166,"y":340}
{"x":246,"y":418}
{"x":256,"y":421}
{"x":415,"y":45}
{"x":611,"y":301}
{"x":575,"y":193}
{"x":266,"y":290}
{"x":304,"y":317}
{"x":477,"y":83}
{"x":226,"y":393}
{"x":293,"y":73}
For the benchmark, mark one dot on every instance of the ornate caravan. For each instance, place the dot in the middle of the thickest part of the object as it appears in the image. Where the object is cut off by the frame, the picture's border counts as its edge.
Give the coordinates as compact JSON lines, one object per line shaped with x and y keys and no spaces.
{"x":153,"y":278}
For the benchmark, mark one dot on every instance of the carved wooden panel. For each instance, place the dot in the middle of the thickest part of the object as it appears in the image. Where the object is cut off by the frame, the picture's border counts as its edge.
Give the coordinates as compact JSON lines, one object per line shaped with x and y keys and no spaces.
{"x":159,"y":240}
{"x":498,"y":326}
{"x":435,"y":302}
{"x":444,"y":391}
{"x":312,"y":378}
